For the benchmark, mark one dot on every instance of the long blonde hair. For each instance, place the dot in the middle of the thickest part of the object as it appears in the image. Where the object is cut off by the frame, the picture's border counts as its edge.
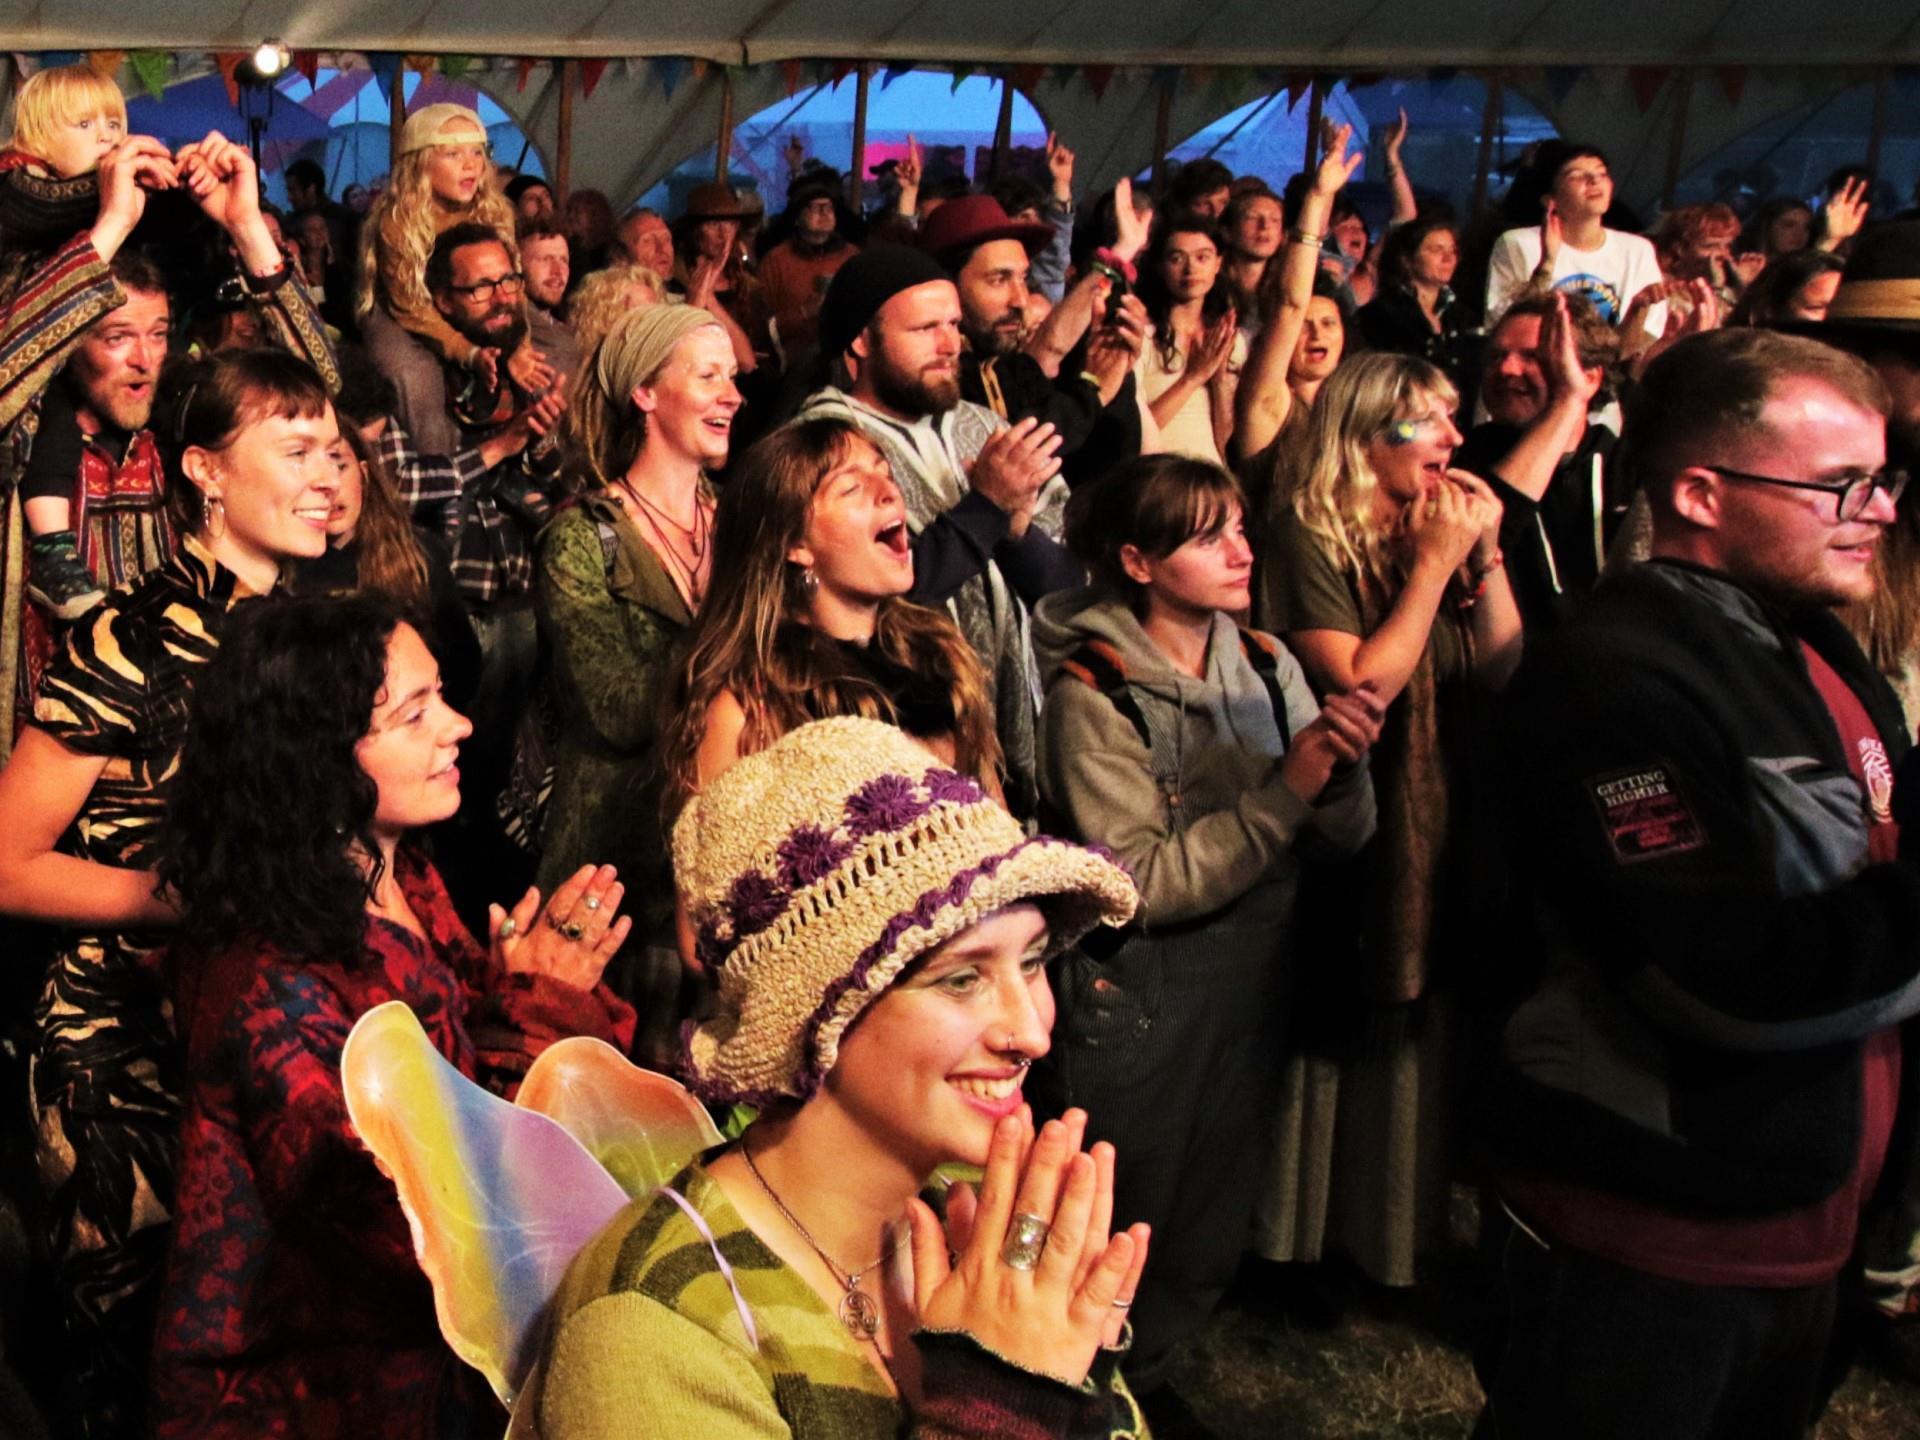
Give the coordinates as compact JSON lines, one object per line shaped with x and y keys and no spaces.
{"x":406,"y":220}
{"x":1333,"y":489}
{"x":747,"y":640}
{"x":601,"y":298}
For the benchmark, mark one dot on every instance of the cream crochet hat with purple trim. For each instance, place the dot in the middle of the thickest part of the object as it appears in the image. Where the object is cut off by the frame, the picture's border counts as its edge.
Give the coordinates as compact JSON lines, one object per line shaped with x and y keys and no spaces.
{"x":817,"y":869}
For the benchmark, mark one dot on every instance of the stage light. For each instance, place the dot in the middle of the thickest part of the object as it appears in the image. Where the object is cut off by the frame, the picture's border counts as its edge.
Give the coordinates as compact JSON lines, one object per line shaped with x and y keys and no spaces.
{"x":270,"y":59}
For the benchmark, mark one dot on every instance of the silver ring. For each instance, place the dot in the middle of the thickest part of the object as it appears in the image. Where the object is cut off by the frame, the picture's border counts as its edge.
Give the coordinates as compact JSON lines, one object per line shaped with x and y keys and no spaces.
{"x":592,"y":902}
{"x":509,"y":927}
{"x":1026,"y":1238}
{"x":1123,"y":1304}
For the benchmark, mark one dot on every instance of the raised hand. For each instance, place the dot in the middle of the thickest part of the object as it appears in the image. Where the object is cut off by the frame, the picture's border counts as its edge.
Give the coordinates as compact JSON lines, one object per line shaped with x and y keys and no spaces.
{"x":1131,"y":226}
{"x":135,"y":166}
{"x":1014,"y":465}
{"x":1552,"y":234}
{"x":530,"y":370}
{"x":1394,"y":137}
{"x":795,"y":153}
{"x":571,"y":938}
{"x":1844,"y":213}
{"x":1213,"y":346}
{"x":1060,"y":167}
{"x":1052,"y":1315}
{"x":1336,"y":165}
{"x":1560,"y":356}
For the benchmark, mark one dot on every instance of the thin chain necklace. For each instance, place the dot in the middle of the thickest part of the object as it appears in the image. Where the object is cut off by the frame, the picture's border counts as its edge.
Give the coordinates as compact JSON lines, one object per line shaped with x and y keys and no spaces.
{"x":684,"y":571}
{"x":858,"y":1312}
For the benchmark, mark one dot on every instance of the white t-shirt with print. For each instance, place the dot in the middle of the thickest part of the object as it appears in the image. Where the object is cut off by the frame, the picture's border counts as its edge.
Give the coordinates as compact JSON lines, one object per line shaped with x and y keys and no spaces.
{"x":1607,"y":278}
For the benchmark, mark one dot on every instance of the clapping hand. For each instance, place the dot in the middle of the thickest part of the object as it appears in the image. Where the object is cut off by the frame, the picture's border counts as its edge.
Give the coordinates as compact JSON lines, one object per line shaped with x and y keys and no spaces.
{"x":572,"y":938}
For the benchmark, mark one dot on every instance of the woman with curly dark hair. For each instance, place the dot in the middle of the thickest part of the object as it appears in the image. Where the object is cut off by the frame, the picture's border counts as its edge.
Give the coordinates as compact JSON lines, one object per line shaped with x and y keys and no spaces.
{"x":1191,"y":362}
{"x":319,"y":742}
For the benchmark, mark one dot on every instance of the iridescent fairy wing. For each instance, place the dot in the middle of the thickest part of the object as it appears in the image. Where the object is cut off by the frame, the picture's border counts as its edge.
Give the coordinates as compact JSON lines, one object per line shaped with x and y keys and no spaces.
{"x":500,"y":1198}
{"x":642,"y":1126}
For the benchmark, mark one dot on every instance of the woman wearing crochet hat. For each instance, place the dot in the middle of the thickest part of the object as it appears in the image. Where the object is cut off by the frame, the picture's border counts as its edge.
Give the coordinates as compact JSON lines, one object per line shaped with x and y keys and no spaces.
{"x":621,"y":576}
{"x":444,"y":177}
{"x":880,"y":929}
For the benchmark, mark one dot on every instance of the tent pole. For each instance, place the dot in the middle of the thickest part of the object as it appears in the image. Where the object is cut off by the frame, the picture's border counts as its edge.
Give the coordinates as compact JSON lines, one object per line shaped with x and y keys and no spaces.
{"x":1162,"y":137}
{"x":1677,"y":142}
{"x":1002,"y":131}
{"x":1879,"y":131}
{"x":1489,"y":127}
{"x":723,"y":149}
{"x":563,"y":142}
{"x":857,"y":170}
{"x":396,"y":113}
{"x":1316,"y":112}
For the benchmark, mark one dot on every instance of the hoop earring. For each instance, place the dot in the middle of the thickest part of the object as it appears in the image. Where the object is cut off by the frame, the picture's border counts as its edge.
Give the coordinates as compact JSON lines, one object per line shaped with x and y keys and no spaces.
{"x":215,"y":517}
{"x":809,"y":582}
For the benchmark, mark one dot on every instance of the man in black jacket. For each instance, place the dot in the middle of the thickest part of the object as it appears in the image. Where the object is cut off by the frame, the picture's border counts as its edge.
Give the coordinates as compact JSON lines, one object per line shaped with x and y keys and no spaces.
{"x":1698,"y":1087}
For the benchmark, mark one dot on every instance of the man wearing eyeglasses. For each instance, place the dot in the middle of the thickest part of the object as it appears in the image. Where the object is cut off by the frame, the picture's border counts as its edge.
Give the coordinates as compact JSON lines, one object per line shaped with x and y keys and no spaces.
{"x":1697,"y":1086}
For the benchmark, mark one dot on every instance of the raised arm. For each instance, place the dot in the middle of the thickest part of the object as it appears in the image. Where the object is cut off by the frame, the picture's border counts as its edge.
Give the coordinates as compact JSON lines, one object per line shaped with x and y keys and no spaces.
{"x":1264,"y":399}
{"x":1405,"y":206}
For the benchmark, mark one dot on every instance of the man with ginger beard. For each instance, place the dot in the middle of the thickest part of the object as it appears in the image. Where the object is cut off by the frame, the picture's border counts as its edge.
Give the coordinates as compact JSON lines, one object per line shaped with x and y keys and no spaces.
{"x":984,"y":499}
{"x":1717,"y":828}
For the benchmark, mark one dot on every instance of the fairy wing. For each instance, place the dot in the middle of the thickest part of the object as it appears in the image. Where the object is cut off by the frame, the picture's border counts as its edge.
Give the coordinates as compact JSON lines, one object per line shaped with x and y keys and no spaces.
{"x":500,"y":1198}
{"x":642,"y":1126}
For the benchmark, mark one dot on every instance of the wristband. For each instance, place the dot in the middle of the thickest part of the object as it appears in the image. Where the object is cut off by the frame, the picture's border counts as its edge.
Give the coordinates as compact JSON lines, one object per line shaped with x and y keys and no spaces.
{"x":1106,"y":259}
{"x":1306,"y":237}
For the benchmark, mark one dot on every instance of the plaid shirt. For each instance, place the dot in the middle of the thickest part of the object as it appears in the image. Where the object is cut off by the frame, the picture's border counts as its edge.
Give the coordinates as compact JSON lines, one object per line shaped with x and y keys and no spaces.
{"x":489,"y":516}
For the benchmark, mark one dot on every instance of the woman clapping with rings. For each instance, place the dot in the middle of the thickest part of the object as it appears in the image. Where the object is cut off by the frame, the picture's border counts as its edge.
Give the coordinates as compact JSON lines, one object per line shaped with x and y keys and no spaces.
{"x":879,"y":928}
{"x":319,"y":743}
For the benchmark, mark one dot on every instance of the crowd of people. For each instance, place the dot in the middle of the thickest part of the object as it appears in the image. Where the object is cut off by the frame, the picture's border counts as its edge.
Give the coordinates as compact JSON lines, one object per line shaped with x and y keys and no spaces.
{"x":1226,"y":718}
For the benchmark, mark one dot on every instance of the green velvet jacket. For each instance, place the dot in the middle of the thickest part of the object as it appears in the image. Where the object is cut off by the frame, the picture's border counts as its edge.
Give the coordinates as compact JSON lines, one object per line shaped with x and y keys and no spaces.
{"x":613,"y":625}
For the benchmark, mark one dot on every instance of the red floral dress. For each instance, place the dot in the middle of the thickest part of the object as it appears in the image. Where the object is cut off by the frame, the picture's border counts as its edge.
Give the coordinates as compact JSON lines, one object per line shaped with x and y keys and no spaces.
{"x":293,"y":1305}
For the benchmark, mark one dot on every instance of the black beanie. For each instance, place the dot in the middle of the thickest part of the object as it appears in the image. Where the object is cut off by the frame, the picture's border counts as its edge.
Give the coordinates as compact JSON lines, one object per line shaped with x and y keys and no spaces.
{"x":866,"y":282}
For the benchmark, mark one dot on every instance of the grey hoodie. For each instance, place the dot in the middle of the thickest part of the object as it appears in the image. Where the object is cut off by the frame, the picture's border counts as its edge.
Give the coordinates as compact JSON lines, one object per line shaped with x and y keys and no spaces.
{"x":1204,"y":818}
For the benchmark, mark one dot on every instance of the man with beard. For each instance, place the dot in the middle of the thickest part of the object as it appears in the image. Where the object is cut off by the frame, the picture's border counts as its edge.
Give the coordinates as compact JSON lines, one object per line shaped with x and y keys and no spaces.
{"x":989,"y":257}
{"x":548,"y":267}
{"x":984,"y":501}
{"x":795,"y":273}
{"x":1714,"y":817}
{"x":1546,"y":456}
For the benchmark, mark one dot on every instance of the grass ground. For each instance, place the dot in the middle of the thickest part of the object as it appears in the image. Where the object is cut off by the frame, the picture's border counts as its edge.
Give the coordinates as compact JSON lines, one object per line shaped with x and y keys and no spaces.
{"x":1395,"y":1367}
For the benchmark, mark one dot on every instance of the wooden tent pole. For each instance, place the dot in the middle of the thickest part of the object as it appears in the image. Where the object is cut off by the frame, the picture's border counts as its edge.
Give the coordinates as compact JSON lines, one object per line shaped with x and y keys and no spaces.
{"x":396,"y":113}
{"x":1316,"y":112}
{"x":723,"y":148}
{"x":857,"y":170}
{"x":1162,"y":137}
{"x":1002,"y":132}
{"x":1677,"y":141}
{"x":563,"y":143}
{"x":1878,"y":133}
{"x":1482,"y":170}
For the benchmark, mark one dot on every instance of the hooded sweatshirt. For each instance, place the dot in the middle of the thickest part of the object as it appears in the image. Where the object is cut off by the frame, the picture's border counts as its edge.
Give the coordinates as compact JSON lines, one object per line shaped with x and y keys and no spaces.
{"x":1203,"y":818}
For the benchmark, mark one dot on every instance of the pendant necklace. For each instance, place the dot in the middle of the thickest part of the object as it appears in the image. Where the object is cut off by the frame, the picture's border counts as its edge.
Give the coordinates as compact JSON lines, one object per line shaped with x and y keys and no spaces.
{"x":858,"y":1311}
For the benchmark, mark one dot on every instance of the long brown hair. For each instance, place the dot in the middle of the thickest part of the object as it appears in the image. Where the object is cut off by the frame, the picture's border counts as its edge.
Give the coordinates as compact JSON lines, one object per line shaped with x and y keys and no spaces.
{"x":392,"y":563}
{"x":746,"y":640}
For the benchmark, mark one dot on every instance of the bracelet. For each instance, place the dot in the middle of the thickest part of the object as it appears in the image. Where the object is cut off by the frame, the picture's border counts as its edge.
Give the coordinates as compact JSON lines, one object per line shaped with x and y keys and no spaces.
{"x":1106,"y":257}
{"x":1480,"y":573}
{"x":1306,"y":237}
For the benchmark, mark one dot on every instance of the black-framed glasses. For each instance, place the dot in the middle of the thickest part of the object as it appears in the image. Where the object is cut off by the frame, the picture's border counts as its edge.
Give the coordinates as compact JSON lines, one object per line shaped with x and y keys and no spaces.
{"x":481,"y":291}
{"x":1854,"y":493}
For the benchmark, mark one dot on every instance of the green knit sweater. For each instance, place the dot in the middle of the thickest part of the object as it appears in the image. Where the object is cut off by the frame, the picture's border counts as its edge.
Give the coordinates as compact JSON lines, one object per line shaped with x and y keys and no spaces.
{"x":647,"y":1337}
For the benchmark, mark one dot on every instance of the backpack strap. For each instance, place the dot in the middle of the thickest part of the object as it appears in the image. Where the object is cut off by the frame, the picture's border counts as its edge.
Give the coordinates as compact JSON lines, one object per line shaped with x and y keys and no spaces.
{"x":1097,"y":664}
{"x":1263,"y":653}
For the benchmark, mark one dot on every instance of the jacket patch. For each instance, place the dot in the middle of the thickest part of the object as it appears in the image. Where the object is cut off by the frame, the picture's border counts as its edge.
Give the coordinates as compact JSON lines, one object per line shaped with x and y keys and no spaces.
{"x":1645,"y":815}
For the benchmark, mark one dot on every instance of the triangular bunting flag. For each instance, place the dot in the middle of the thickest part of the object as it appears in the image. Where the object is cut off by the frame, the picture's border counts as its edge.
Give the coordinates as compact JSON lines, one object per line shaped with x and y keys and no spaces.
{"x":893,"y":72}
{"x":1562,"y":78}
{"x":105,"y":63}
{"x":1441,"y":76}
{"x":1166,"y":78}
{"x":839,"y":71}
{"x":307,"y":62}
{"x":523,"y":67}
{"x":1646,"y":81}
{"x":1063,"y":74}
{"x":454,"y":66}
{"x":1200,"y":75}
{"x":1299,"y":87}
{"x":150,"y":69}
{"x":790,"y":71}
{"x":1733,"y":81}
{"x":1027,"y":77}
{"x":960,"y":75}
{"x":1099,"y":77}
{"x":1361,"y":81}
{"x":699,"y":68}
{"x":669,"y":70}
{"x":229,"y":61}
{"x":24,"y":64}
{"x":386,"y":71}
{"x":590,"y":73}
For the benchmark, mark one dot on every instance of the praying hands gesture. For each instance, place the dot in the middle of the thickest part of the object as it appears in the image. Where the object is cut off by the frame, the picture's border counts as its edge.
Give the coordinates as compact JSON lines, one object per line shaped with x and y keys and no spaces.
{"x":1213,"y":347}
{"x":570,"y":940}
{"x":1458,"y":518}
{"x":1039,"y":1280}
